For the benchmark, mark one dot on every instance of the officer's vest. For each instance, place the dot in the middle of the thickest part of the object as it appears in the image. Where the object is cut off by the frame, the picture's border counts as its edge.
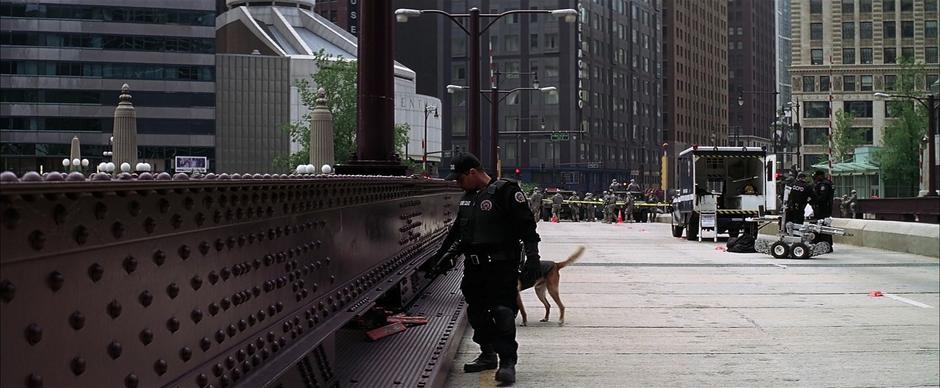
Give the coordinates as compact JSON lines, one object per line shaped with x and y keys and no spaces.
{"x":483,"y":220}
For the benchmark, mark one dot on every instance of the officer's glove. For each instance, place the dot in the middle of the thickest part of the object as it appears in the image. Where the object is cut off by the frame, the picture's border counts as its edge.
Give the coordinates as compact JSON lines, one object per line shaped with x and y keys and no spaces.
{"x":440,"y":265}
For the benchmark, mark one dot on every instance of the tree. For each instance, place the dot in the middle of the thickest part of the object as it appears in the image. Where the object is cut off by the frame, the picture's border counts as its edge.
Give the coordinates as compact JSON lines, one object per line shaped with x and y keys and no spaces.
{"x":844,"y":137}
{"x":337,"y":76}
{"x":898,"y":158}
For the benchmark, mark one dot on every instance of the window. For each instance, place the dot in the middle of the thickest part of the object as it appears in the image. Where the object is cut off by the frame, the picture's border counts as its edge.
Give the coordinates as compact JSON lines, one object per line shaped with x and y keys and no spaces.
{"x":551,"y":41}
{"x":907,"y":52}
{"x":891,"y":55}
{"x":859,"y":108}
{"x":848,"y":30}
{"x":848,"y":6}
{"x":109,"y":70}
{"x":816,"y":56}
{"x":824,"y":83}
{"x":848,"y":56}
{"x":512,"y":43}
{"x":867,"y":135}
{"x":866,"y":83}
{"x":888,"y":5}
{"x":930,"y":55}
{"x":816,"y":109}
{"x":890,"y":30}
{"x":815,"y":136}
{"x":809,"y":84}
{"x":461,"y":72}
{"x":110,"y":14}
{"x":931,"y":5}
{"x":907,"y":5}
{"x":890,"y":82}
{"x":534,"y":41}
{"x":815,"y":7}
{"x":930,"y":29}
{"x":907,"y":29}
{"x":848,"y":83}
{"x":108,"y":42}
{"x":865,"y":55}
{"x":864,"y":30}
{"x":932,"y":79}
{"x":864,"y":6}
{"x":816,"y":31}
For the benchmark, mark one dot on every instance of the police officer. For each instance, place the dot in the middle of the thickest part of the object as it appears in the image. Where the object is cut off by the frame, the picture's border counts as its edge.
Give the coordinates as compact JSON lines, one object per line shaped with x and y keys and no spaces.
{"x":610,"y":208}
{"x":633,"y":187}
{"x":800,"y":194}
{"x":535,"y":203}
{"x":629,"y":207}
{"x":590,"y":208}
{"x":557,"y":201}
{"x":492,"y":220}
{"x":822,"y":203}
{"x":575,"y":207}
{"x":614,"y":185}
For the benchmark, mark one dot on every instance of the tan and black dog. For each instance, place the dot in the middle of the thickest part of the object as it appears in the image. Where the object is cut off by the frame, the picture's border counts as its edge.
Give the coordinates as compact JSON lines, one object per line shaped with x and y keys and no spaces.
{"x":548,"y":280}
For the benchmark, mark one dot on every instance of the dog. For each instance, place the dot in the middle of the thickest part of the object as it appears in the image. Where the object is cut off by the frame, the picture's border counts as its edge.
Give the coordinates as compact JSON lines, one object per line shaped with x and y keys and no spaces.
{"x":548,"y":280}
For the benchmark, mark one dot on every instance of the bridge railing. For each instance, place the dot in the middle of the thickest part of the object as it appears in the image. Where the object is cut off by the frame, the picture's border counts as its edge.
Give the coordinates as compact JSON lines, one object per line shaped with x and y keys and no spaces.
{"x":153,"y":280}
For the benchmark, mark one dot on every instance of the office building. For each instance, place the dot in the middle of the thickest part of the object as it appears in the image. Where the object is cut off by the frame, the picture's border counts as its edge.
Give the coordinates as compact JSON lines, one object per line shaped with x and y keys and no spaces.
{"x":850,"y":49}
{"x":695,"y":91}
{"x":752,"y":79}
{"x":606,"y":67}
{"x":63,"y":64}
{"x":782,"y":52}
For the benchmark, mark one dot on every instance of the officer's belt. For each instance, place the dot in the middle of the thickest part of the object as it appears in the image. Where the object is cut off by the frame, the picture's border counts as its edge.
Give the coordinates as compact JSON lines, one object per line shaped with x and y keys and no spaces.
{"x":479,"y":258}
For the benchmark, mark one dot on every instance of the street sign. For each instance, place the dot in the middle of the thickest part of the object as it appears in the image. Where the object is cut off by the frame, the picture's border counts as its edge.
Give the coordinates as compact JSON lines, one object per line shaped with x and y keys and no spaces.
{"x":593,"y":165}
{"x":559,"y":136}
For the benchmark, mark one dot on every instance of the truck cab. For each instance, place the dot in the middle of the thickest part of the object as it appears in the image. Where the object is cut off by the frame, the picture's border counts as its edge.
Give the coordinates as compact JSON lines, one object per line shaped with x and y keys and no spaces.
{"x":718,"y":187}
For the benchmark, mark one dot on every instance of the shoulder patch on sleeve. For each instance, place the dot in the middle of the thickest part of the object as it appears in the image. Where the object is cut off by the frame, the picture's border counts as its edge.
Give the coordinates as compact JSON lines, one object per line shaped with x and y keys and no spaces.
{"x":520,"y":197}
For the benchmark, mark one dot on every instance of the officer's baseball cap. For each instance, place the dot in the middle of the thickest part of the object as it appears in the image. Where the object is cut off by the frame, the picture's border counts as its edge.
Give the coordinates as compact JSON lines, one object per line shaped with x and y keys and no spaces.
{"x":461,"y":164}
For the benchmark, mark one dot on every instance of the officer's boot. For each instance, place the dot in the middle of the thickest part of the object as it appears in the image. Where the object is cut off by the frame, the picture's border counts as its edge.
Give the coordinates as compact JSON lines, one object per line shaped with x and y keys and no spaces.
{"x":486,"y":360}
{"x":506,"y":373}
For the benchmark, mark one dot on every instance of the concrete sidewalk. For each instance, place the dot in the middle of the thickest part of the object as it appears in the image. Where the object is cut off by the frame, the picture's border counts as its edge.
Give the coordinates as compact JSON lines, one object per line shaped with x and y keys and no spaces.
{"x":645,"y":309}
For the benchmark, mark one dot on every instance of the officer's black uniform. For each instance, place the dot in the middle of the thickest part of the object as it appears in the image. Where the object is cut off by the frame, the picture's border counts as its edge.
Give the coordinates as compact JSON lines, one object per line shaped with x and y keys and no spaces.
{"x":800,"y":194}
{"x":822,"y":203}
{"x":490,"y":226}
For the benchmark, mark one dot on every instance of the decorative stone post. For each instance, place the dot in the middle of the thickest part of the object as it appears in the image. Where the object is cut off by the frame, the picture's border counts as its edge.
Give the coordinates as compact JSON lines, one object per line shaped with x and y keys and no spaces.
{"x":321,"y":133}
{"x":75,"y":154}
{"x":125,"y":131}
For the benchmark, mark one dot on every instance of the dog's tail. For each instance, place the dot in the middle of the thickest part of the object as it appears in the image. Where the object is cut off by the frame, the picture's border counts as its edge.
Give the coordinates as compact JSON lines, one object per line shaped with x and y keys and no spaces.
{"x":571,"y":259}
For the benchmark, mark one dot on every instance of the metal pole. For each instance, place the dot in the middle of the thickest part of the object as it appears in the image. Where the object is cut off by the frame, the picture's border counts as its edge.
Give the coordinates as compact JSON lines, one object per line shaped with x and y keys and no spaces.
{"x":473,"y":104}
{"x":494,"y":129}
{"x":424,"y":142}
{"x":931,"y":145}
{"x":376,"y":107}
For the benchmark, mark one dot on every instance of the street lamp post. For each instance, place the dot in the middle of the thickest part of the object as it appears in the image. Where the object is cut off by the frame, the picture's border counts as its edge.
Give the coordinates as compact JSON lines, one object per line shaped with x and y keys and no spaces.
{"x":931,"y":104}
{"x":737,"y":129}
{"x":424,"y":142}
{"x":474,"y":30}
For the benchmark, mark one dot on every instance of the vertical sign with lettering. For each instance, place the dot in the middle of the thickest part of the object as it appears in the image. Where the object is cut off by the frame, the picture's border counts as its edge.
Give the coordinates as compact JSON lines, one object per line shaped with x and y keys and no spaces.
{"x":352,"y":19}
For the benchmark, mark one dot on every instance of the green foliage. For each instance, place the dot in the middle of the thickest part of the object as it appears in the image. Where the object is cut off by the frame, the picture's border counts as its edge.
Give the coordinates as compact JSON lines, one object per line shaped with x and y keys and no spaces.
{"x":898,"y":157}
{"x":401,"y":141}
{"x":337,"y":76}
{"x":844,"y":137}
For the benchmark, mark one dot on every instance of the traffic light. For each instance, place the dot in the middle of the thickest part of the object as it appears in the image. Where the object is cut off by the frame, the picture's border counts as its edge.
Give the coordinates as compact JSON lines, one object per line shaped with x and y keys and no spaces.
{"x":518,"y":173}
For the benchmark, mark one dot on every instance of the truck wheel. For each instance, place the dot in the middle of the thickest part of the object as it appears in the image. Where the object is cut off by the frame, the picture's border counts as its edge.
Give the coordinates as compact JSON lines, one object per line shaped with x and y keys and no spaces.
{"x":676,"y":231}
{"x":801,"y":251}
{"x":691,"y":229}
{"x":780,"y":250}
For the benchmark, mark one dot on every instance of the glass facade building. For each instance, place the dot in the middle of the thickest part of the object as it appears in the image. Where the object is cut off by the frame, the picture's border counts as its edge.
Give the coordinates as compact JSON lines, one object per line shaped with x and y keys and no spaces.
{"x":62,"y":67}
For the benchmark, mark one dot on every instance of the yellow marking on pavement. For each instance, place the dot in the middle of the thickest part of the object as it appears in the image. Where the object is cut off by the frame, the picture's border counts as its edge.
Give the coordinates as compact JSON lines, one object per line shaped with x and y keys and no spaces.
{"x":487,"y":379}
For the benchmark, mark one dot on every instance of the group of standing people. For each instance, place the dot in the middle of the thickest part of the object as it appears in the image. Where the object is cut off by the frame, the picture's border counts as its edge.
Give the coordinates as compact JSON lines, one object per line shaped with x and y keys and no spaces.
{"x":592,"y":207}
{"x":819,"y":196}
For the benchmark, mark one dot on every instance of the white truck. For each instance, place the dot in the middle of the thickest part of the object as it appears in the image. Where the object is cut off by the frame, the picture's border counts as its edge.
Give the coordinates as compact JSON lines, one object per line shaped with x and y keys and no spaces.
{"x":717,"y":188}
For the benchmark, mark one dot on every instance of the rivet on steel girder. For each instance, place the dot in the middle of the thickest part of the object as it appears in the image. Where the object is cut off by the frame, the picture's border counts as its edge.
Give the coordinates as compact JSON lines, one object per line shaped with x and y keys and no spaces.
{"x":114,"y":349}
{"x":173,"y":324}
{"x":204,"y":247}
{"x":117,"y":229}
{"x":114,"y":309}
{"x":131,"y":381}
{"x":218,"y":369}
{"x":37,"y":240}
{"x":196,"y":315}
{"x":202,"y":380}
{"x":146,"y":336}
{"x":204,"y":344}
{"x":55,"y":280}
{"x":159,"y":257}
{"x":160,"y":367}
{"x":196,"y":282}
{"x":7,"y":290}
{"x":77,"y":320}
{"x":34,"y":381}
{"x":130,"y":264}
{"x":150,"y":225}
{"x":172,"y":290}
{"x":186,"y":353}
{"x":183,"y":251}
{"x":33,"y":334}
{"x":77,"y":365}
{"x":229,"y":362}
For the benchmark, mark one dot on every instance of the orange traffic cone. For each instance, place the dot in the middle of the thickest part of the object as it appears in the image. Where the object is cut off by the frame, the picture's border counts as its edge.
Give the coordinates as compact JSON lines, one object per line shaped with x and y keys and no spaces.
{"x":620,"y":216}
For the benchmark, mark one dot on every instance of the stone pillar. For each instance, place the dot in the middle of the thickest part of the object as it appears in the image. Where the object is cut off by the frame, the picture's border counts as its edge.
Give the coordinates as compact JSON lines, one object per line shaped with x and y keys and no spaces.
{"x":75,"y":154}
{"x":125,"y":131}
{"x":321,"y":133}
